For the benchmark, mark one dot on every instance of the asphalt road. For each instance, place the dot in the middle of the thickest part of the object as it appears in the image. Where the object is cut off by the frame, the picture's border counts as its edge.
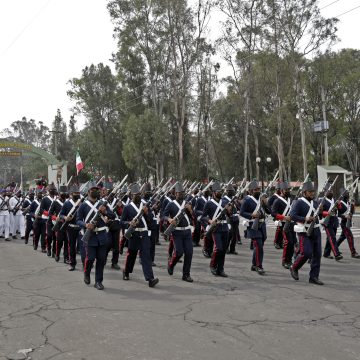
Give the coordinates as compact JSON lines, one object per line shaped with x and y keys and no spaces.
{"x":47,"y":312}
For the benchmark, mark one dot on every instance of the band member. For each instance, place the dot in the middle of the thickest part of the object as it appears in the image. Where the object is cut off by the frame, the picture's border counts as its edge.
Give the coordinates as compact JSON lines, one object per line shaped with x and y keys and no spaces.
{"x":182,"y":232}
{"x":303,"y":213}
{"x":139,"y":240}
{"x":4,"y":216}
{"x":17,"y":221}
{"x":26,"y":212}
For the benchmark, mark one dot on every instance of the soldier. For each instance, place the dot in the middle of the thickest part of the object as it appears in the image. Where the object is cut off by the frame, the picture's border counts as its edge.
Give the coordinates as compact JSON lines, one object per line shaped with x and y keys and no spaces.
{"x":220,"y":235}
{"x":255,"y":207}
{"x":125,"y":199}
{"x":198,"y":210}
{"x":59,"y":237}
{"x":196,"y":235}
{"x":35,"y":216}
{"x":114,"y":229}
{"x":278,"y":239}
{"x":280,"y":212}
{"x":16,"y":217}
{"x":331,"y":228}
{"x":44,"y":227}
{"x":72,"y":229}
{"x":140,"y":238}
{"x":346,"y":210}
{"x":182,"y":232}
{"x":4,"y":216}
{"x":234,"y":234}
{"x":28,"y":219}
{"x":96,"y":246}
{"x":303,"y":213}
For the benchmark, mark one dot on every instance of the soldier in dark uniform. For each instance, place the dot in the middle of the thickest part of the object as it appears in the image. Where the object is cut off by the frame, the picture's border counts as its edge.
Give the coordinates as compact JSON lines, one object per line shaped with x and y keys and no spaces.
{"x":125,"y":199}
{"x":220,"y":236}
{"x":28,"y":218}
{"x":234,"y":234}
{"x":60,"y":238}
{"x":278,"y":239}
{"x":331,"y":228}
{"x":114,"y":229}
{"x":72,"y":229}
{"x":140,"y":239}
{"x":182,"y":232}
{"x":346,"y":210}
{"x":253,"y":208}
{"x":44,"y":227}
{"x":280,"y":211}
{"x":96,"y":246}
{"x":198,"y":210}
{"x":309,"y":246}
{"x":154,"y":226}
{"x":34,"y":214}
{"x":196,"y":235}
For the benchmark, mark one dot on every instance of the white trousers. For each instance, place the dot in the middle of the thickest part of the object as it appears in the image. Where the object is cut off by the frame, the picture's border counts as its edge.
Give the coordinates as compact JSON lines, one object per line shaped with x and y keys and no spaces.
{"x":18,"y":224}
{"x":5,"y":223}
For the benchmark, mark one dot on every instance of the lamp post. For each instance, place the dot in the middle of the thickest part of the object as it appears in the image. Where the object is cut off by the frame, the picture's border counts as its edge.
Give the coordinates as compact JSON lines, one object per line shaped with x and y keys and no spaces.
{"x":266,"y":163}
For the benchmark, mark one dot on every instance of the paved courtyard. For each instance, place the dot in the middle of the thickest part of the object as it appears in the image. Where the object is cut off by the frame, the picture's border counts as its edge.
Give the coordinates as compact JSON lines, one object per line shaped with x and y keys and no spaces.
{"x":47,"y":312}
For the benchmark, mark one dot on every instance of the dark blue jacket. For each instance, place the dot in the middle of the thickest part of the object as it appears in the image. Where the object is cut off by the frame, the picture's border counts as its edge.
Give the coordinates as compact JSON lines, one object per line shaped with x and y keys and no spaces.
{"x":34,"y":205}
{"x":172,"y":210}
{"x":208,"y":214}
{"x":334,"y":221}
{"x":101,"y":237}
{"x":129,"y":213}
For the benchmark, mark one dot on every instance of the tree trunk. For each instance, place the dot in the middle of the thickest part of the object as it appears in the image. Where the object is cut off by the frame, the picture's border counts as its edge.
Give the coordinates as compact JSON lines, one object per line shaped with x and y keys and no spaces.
{"x":246,"y":134}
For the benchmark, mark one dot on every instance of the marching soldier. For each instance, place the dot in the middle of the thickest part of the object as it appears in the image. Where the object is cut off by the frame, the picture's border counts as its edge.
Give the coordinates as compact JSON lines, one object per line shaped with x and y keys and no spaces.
{"x":140,"y":238}
{"x":234,"y":234}
{"x":34,"y":215}
{"x":331,"y":228}
{"x":254,"y":209}
{"x":346,"y":210}
{"x":114,"y":229}
{"x":26,"y":212}
{"x":280,"y":212}
{"x":4,"y":216}
{"x":309,"y":246}
{"x":16,"y":216}
{"x":72,"y":228}
{"x":59,"y":237}
{"x":220,"y":235}
{"x":182,"y":232}
{"x":95,"y":248}
{"x":278,"y":239}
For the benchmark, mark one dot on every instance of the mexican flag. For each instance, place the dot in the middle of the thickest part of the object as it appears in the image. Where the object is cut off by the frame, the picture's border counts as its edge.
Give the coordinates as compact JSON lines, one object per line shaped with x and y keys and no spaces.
{"x":79,"y":163}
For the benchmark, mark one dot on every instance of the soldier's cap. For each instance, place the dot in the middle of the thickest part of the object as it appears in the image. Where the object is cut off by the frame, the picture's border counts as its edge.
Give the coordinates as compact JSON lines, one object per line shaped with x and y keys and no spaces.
{"x":147,"y":187}
{"x":179,"y":187}
{"x":308,"y":186}
{"x":74,"y":189}
{"x":254,"y":185}
{"x":108,"y":185}
{"x":3,"y":191}
{"x":63,"y":189}
{"x":216,"y":186}
{"x":51,"y":187}
{"x":39,"y":191}
{"x":278,"y":185}
{"x":135,"y":189}
{"x":124,"y":189}
{"x":92,"y":185}
{"x":284,"y":185}
{"x":230,"y":187}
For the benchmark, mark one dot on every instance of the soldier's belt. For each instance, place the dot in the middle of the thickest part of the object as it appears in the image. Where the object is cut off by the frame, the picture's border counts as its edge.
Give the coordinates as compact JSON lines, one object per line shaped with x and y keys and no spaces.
{"x":101,"y":229}
{"x":183,"y":228}
{"x":140,"y":229}
{"x":74,"y":226}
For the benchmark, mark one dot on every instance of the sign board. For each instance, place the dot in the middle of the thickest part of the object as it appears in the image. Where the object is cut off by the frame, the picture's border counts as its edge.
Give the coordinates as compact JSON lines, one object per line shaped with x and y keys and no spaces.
{"x":321,"y":126}
{"x":10,"y":153}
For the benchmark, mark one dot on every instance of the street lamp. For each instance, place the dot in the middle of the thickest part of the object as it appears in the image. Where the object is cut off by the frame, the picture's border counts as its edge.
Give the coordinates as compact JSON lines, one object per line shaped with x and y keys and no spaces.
{"x":267,"y":162}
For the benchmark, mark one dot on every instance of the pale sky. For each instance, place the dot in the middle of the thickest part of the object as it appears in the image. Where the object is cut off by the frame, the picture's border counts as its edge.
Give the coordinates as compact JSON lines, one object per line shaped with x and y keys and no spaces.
{"x":45,"y":43}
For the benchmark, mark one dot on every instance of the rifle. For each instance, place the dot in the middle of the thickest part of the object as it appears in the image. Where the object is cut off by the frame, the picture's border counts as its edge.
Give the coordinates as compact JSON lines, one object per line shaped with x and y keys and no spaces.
{"x":4,"y":202}
{"x":178,"y":217}
{"x":316,"y":214}
{"x":131,"y":229}
{"x":65,"y":224}
{"x":333,"y":208}
{"x":17,"y":207}
{"x":287,"y":224}
{"x":37,"y":214}
{"x":213,"y":226}
{"x":255,"y":224}
{"x":348,"y":211}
